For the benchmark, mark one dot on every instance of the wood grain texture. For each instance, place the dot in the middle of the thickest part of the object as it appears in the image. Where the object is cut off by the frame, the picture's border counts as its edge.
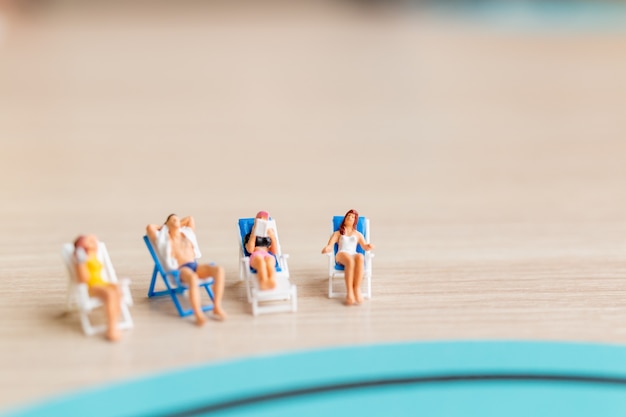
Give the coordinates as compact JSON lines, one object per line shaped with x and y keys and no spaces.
{"x":491,"y":165}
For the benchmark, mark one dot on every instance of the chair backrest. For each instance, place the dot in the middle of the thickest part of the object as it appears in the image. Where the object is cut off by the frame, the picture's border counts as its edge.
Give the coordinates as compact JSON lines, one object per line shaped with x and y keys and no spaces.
{"x":67,"y":252}
{"x":155,"y":257}
{"x":245,"y":226}
{"x":362,"y":226}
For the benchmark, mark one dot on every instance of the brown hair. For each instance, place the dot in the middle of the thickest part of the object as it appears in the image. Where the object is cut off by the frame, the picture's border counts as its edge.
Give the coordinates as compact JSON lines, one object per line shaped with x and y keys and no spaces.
{"x":80,"y":242}
{"x":342,"y":228}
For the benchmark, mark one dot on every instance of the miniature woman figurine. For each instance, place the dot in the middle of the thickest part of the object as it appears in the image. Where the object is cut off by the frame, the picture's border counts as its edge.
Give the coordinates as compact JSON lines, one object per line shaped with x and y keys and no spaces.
{"x":89,"y":271}
{"x":347,"y":238}
{"x":262,"y":249}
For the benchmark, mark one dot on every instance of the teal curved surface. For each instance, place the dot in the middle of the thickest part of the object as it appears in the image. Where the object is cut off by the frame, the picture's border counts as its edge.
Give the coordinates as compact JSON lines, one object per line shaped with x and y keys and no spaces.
{"x":542,"y":15}
{"x":431,"y":379}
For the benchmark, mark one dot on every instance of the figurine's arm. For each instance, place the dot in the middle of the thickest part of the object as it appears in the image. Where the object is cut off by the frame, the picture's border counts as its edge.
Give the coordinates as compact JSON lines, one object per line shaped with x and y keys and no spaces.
{"x":334,"y":238}
{"x":81,"y":272}
{"x":251,"y":243}
{"x":188,"y":222}
{"x":151,"y":231}
{"x":366,"y":246}
{"x":274,"y":247}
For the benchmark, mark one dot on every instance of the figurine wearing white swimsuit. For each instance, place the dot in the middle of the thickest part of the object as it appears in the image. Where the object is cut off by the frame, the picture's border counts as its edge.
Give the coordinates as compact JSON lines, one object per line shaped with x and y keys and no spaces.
{"x":347,"y":238}
{"x":347,"y":244}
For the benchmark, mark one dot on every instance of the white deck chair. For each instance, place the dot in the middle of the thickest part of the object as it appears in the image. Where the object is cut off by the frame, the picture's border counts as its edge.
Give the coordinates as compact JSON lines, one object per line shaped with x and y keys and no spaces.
{"x":284,"y":297}
{"x":336,"y":270}
{"x":78,"y":298}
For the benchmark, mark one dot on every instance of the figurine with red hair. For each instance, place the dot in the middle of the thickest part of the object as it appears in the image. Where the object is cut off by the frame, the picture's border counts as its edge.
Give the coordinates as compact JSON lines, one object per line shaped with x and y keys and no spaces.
{"x":262,"y":245}
{"x":347,"y":238}
{"x":89,"y":271}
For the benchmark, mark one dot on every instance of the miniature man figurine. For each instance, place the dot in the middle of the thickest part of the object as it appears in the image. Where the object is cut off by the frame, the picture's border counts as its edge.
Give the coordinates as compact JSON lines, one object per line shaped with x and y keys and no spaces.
{"x":181,"y":248}
{"x":347,"y":238}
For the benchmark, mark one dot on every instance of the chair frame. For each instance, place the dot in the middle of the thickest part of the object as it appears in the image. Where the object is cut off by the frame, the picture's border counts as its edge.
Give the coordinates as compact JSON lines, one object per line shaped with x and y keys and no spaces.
{"x":335,"y":272}
{"x":266,"y":301}
{"x":79,"y":300}
{"x":174,"y":287}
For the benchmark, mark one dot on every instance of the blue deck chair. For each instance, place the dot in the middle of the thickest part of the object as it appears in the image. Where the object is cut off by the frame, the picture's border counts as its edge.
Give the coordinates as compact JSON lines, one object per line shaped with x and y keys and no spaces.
{"x":282,"y":298}
{"x":335,"y":270}
{"x":173,"y":286}
{"x":78,"y":298}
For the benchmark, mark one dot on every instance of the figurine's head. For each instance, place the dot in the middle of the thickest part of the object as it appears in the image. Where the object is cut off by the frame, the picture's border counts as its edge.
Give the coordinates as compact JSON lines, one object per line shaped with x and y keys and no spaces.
{"x":351,"y":219}
{"x":88,"y":243}
{"x":263,"y":215}
{"x":172,"y":222}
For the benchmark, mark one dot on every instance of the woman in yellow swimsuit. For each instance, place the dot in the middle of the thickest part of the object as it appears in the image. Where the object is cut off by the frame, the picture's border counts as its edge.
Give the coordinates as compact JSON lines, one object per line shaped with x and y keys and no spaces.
{"x":89,"y":271}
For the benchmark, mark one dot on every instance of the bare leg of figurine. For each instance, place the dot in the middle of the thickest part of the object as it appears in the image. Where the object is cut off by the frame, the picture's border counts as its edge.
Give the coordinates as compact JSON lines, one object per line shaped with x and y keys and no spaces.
{"x":217,"y":272}
{"x":109,"y":295}
{"x":113,"y":312}
{"x":347,"y":261}
{"x":191,"y":279}
{"x":258,"y":263}
{"x":270,"y":264}
{"x":358,"y":277}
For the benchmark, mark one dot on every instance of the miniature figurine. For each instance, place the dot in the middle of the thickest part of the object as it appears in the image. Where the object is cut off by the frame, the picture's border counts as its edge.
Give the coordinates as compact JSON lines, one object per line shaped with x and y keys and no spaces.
{"x":181,"y":247}
{"x":89,"y":271}
{"x":347,"y":238}
{"x":263,"y":249}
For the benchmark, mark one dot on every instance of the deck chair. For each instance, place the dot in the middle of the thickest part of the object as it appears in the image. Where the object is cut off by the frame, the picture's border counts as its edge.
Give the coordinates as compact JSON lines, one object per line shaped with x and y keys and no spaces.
{"x":176,"y":289}
{"x":280,"y":299}
{"x":336,"y":270}
{"x":78,"y":298}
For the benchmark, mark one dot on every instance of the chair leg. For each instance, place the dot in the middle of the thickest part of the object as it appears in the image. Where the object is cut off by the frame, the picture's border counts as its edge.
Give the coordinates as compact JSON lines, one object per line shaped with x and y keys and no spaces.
{"x":88,"y":328}
{"x":209,"y":291}
{"x":85,"y":323}
{"x":255,"y":307}
{"x":151,"y":291}
{"x":127,"y":297}
{"x":242,"y":275}
{"x":127,"y":320}
{"x":249,"y":284}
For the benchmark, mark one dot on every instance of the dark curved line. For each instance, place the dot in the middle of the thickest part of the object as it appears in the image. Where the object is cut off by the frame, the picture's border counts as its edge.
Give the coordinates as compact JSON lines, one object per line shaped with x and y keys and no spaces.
{"x":240,"y":402}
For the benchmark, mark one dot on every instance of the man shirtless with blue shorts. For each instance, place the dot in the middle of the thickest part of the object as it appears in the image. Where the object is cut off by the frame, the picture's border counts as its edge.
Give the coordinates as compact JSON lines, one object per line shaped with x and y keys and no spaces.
{"x":182,"y":249}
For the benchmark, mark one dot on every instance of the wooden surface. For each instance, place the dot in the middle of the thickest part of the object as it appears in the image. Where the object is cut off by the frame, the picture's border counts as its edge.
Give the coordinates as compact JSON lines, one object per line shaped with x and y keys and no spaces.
{"x":491,"y":164}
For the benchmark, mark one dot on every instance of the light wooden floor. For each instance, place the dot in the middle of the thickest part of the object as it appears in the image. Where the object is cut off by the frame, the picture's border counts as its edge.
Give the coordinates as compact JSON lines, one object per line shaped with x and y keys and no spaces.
{"x":491,"y":163}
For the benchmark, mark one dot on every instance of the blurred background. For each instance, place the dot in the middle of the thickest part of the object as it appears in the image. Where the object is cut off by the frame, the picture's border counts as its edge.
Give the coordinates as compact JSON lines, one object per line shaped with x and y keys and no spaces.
{"x":447,"y":112}
{"x":424,"y":85}
{"x":485,"y":140}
